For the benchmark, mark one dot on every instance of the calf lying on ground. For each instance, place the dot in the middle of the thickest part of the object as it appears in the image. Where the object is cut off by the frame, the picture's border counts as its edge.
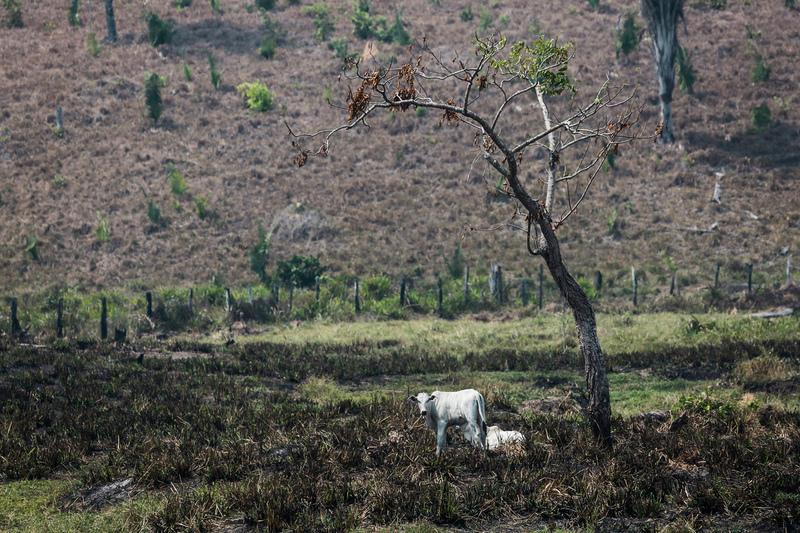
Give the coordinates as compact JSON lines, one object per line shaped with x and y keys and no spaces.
{"x":496,"y":437}
{"x":464,"y":408}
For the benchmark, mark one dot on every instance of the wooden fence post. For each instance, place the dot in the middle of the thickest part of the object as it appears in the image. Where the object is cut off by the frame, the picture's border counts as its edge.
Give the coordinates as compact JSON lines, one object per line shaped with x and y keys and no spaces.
{"x":60,"y":319}
{"x":316,"y":287}
{"x":355,"y":293}
{"x":635,"y":287}
{"x":191,"y":300}
{"x":499,"y":284}
{"x":16,"y":329}
{"x":103,"y":319}
{"x":466,"y":282}
{"x":789,"y":269}
{"x":402,"y":292}
{"x":524,"y":292}
{"x":749,"y":277}
{"x":249,"y":295}
{"x":441,"y":309}
{"x":672,"y":285}
{"x":716,"y":278}
{"x":541,"y":286}
{"x":59,"y":119}
{"x":598,"y":282}
{"x":276,"y":293}
{"x":227,"y":300}
{"x":148,"y":298}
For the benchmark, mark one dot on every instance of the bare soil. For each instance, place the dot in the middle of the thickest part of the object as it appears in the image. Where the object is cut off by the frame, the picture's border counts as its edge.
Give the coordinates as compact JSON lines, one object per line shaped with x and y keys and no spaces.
{"x":389,"y":199}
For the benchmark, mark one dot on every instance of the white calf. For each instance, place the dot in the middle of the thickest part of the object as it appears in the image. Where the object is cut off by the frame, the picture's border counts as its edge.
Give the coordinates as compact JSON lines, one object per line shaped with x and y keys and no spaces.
{"x":496,"y":437}
{"x":464,"y":408}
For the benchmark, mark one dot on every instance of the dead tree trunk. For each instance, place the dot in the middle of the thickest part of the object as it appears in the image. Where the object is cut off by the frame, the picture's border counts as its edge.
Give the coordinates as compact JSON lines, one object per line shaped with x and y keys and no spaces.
{"x":111,"y":23}
{"x":662,"y":22}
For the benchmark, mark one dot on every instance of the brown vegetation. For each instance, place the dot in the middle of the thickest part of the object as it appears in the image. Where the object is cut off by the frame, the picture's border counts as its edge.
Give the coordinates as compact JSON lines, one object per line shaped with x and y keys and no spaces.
{"x":389,"y":201}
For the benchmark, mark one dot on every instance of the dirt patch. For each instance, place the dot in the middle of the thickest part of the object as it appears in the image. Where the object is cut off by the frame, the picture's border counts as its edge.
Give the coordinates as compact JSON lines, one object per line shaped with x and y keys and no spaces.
{"x":100,"y":496}
{"x":552,"y":405}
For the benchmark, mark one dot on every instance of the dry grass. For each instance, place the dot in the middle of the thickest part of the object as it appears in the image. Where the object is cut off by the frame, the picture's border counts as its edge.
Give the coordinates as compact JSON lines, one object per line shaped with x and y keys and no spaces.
{"x":390,"y":199}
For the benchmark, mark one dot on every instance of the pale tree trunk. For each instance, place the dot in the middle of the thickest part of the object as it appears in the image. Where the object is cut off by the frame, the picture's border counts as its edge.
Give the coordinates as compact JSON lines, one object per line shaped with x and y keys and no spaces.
{"x":111,"y":23}
{"x":553,"y":155}
{"x":662,"y":22}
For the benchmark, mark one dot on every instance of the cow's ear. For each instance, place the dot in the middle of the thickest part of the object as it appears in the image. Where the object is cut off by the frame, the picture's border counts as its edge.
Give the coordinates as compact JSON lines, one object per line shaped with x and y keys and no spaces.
{"x":432,"y":398}
{"x":412,"y":399}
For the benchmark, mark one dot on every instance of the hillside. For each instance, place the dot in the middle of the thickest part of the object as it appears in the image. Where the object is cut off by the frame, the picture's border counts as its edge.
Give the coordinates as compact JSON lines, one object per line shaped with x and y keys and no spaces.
{"x":390,"y":200}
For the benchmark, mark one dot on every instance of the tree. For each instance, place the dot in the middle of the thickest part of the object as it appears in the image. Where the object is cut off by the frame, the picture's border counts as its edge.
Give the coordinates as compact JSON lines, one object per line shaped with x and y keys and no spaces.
{"x":111,"y":23}
{"x":662,"y":22}
{"x":152,"y":96}
{"x":483,"y":94}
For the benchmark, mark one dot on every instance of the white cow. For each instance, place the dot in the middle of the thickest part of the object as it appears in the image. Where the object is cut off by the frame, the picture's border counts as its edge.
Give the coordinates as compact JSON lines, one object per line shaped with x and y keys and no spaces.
{"x":464,"y":408}
{"x":496,"y":437}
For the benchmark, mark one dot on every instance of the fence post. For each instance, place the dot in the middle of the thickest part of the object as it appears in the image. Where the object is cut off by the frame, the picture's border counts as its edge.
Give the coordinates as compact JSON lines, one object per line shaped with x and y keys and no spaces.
{"x":276,"y":293}
{"x":402,"y":292}
{"x":103,"y":319}
{"x":598,"y":282}
{"x":524,"y":292}
{"x":441,"y":311}
{"x":59,"y":119}
{"x":355,"y":291}
{"x":60,"y":319}
{"x":249,"y":295}
{"x":749,"y":277}
{"x":227,"y":300}
{"x":672,"y":285}
{"x":466,"y":282}
{"x":541,"y":286}
{"x":789,"y":269}
{"x":499,"y":284}
{"x":316,"y":287}
{"x":148,"y":297}
{"x":16,"y":329}
{"x":191,"y":300}
{"x":635,"y":288}
{"x":716,"y":278}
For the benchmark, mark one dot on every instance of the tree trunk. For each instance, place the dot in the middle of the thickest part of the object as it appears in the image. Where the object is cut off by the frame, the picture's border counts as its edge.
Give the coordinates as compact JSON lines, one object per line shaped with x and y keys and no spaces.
{"x":599,"y":410}
{"x":111,"y":23}
{"x":662,"y":22}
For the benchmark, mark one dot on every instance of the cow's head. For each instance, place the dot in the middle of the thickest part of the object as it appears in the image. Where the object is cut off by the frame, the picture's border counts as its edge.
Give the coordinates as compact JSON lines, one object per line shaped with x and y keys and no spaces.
{"x":421,"y":400}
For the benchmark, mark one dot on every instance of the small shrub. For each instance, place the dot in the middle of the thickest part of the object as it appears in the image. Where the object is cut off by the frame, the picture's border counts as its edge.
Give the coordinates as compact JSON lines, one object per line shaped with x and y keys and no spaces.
{"x":259,"y":255}
{"x":339,"y":48}
{"x":180,"y":4}
{"x":92,"y":46}
{"x":265,"y":5}
{"x":762,"y":116}
{"x":611,"y":222}
{"x":719,"y":5}
{"x":376,"y":288}
{"x":152,"y":96}
{"x":686,"y":72}
{"x":322,"y":20}
{"x":177,"y":181}
{"x":367,"y":26}
{"x":201,"y":205}
{"x":486,"y":20}
{"x":761,"y":70}
{"x":59,"y":182}
{"x":72,"y":13}
{"x":216,"y":75}
{"x":154,"y":212}
{"x":397,"y":32}
{"x":14,"y":10}
{"x":751,"y":31}
{"x":789,"y":3}
{"x":33,"y":246}
{"x":628,"y":36}
{"x":158,"y":31}
{"x":466,"y":14}
{"x":258,"y":97}
{"x":421,"y":112}
{"x":302,"y":269}
{"x":268,"y":47}
{"x":187,"y":71}
{"x":589,"y":288}
{"x":101,"y":230}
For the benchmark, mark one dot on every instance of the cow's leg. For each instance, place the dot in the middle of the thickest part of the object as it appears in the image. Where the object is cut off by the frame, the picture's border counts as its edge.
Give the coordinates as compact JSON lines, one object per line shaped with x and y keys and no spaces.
{"x":441,"y":439}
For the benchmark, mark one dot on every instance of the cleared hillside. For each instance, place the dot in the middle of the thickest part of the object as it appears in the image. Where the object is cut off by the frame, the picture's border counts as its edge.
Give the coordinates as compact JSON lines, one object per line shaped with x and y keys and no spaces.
{"x":390,"y":200}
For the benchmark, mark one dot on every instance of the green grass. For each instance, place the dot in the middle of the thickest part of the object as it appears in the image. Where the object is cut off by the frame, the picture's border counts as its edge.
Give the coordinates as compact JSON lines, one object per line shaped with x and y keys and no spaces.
{"x":32,"y":506}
